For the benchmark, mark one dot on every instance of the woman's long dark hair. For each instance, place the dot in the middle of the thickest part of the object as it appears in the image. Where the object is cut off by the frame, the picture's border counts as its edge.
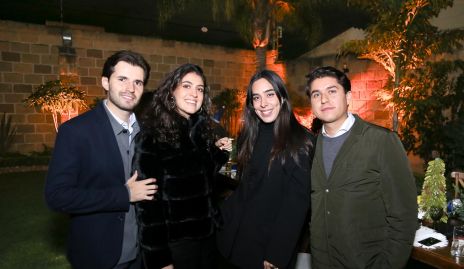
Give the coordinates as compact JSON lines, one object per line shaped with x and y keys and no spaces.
{"x":161,"y":118}
{"x":290,"y":137}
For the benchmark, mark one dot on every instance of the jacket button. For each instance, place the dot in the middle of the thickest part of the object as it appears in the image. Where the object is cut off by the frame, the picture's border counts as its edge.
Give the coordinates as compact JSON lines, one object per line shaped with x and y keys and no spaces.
{"x":120,"y":218}
{"x":328,"y":212}
{"x":326,"y":190}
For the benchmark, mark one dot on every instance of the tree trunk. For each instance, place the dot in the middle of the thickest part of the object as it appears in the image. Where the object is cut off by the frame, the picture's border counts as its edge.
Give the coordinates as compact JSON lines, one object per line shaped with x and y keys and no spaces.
{"x":260,"y":58}
{"x":395,"y":120}
{"x":261,"y":32}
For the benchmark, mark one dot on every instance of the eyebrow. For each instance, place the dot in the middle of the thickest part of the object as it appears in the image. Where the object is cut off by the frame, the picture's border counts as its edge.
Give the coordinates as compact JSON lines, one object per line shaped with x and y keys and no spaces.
{"x":137,"y":80}
{"x":189,"y":82}
{"x":266,"y":91}
{"x":327,"y":88}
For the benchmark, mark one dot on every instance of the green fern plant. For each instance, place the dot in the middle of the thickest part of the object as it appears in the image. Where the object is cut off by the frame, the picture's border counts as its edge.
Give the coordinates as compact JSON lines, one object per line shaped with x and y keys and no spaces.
{"x":7,"y":133}
{"x":433,"y":196}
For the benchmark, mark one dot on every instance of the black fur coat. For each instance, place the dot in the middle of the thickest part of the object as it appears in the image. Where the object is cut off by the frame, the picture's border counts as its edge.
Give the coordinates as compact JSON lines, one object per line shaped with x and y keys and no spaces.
{"x":183,"y":207}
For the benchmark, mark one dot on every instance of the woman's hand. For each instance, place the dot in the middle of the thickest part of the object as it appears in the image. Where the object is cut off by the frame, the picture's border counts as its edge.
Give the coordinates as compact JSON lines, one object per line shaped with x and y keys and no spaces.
{"x":224,"y":143}
{"x":268,"y":265}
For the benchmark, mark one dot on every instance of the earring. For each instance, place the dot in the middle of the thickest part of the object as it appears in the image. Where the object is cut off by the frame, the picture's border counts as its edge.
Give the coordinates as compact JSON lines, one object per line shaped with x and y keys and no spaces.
{"x":172,"y":102}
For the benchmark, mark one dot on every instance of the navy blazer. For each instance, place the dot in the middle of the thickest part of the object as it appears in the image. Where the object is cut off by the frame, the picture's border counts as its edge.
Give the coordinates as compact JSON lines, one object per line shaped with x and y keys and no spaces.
{"x":86,"y":180}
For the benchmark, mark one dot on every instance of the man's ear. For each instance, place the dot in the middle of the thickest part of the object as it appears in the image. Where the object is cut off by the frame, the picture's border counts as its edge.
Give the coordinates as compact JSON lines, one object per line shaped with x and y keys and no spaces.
{"x":105,"y":83}
{"x":348,"y":97}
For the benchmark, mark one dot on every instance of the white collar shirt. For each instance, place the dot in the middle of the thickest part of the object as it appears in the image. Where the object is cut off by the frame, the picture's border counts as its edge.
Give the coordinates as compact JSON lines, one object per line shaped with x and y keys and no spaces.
{"x":346,"y":126}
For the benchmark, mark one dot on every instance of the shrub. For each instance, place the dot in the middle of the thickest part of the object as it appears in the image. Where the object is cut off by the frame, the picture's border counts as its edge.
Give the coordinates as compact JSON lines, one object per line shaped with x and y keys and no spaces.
{"x":12,"y":159}
{"x":7,"y":134}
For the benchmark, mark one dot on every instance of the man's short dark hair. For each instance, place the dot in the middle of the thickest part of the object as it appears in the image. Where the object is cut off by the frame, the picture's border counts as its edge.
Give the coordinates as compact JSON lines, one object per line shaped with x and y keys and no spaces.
{"x":328,"y":71}
{"x":127,"y":56}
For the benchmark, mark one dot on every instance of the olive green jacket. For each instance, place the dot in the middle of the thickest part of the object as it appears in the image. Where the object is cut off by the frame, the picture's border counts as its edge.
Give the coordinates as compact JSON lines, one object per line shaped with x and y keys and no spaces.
{"x":364,"y":214}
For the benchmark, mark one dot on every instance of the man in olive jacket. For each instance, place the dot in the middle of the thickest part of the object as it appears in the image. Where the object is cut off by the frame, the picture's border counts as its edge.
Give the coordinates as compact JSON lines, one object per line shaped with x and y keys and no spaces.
{"x":364,"y":209}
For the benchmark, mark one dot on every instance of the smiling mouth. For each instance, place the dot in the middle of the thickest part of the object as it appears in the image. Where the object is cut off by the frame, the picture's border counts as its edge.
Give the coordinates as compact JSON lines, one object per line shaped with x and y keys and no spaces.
{"x":191,"y":102}
{"x":266,"y":112}
{"x":128,"y":97}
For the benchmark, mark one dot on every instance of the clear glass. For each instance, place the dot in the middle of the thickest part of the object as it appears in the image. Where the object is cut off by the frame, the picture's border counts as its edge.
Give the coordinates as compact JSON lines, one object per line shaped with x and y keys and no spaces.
{"x":457,"y":246}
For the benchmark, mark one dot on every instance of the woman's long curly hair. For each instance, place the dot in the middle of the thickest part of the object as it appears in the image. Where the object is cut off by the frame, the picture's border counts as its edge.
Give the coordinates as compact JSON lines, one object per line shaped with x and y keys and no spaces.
{"x":290,"y":137}
{"x":161,"y":118}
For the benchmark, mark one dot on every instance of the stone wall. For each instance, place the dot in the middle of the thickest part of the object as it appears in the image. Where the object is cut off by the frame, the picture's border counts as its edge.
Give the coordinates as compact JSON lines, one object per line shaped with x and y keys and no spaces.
{"x":30,"y":56}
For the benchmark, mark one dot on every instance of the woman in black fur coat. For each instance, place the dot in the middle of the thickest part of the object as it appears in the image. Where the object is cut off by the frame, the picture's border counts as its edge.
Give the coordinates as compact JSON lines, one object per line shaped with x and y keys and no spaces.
{"x":177,"y":147}
{"x":264,"y":217}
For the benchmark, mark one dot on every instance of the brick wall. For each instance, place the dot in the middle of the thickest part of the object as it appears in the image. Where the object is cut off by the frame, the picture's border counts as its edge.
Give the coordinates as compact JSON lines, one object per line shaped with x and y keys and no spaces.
{"x":29,"y":56}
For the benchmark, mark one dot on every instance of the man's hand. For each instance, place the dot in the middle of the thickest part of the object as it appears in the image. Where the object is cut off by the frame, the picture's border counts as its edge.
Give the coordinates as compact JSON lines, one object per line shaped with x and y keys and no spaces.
{"x":168,"y":267}
{"x":141,"y":190}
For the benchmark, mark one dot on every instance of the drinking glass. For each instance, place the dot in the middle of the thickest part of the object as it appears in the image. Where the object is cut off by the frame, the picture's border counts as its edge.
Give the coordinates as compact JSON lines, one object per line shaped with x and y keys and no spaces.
{"x":457,"y":246}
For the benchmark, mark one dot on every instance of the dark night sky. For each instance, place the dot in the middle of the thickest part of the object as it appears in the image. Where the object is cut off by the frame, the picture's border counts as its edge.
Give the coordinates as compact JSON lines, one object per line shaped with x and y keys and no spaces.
{"x":139,"y":17}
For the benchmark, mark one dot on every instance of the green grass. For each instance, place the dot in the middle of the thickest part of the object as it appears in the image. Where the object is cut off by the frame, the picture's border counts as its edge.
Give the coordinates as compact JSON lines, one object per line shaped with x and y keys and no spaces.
{"x":31,"y":236}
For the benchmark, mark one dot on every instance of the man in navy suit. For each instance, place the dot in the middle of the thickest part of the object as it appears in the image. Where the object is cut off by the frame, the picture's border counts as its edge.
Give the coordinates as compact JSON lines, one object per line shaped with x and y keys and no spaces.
{"x":89,"y":174}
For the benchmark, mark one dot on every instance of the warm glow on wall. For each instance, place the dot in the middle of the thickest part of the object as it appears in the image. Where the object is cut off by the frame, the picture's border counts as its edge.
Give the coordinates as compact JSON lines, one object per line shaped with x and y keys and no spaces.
{"x":236,"y":119}
{"x":304,"y":116}
{"x":365,"y":89}
{"x":279,"y":68}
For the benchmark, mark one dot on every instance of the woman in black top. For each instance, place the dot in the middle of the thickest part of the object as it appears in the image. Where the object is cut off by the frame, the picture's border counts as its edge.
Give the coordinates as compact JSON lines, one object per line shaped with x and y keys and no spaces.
{"x":176,"y":146}
{"x":264,"y":217}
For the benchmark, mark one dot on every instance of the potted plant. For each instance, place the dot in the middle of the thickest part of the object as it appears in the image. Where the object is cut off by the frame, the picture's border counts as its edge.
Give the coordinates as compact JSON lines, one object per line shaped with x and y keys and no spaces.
{"x":433,"y":196}
{"x":58,"y":98}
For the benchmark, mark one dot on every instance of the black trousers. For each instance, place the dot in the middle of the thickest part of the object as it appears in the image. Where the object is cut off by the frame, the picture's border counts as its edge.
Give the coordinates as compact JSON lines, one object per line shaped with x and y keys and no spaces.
{"x":194,"y":254}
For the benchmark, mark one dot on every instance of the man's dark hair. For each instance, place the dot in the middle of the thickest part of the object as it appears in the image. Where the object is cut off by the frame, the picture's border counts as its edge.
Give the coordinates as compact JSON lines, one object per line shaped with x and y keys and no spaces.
{"x":127,"y":56}
{"x":328,"y":71}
